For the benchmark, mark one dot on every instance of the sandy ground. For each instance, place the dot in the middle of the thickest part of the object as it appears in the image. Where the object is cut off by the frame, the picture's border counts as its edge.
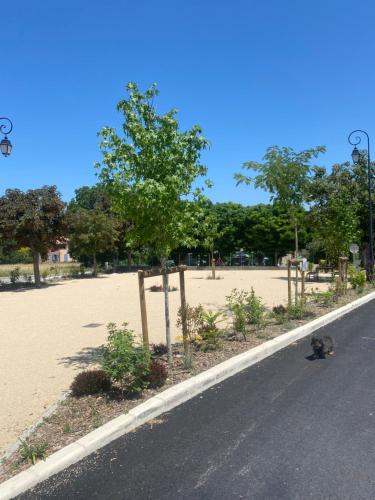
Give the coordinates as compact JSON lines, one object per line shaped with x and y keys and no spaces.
{"x":47,"y":335}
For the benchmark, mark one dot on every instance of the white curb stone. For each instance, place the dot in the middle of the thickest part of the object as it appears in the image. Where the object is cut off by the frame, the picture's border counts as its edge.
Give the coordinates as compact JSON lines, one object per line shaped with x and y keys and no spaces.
{"x":163,"y":402}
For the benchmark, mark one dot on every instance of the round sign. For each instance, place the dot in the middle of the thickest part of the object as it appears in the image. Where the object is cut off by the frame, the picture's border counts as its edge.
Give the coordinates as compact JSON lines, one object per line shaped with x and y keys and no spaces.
{"x":354,"y":248}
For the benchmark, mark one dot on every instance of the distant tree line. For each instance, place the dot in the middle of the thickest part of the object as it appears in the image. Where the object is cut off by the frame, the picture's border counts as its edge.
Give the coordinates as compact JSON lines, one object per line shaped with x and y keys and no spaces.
{"x":150,"y":203}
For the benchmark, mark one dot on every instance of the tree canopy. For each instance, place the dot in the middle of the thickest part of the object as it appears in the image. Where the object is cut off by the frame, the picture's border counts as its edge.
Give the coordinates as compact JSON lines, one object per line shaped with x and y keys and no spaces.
{"x":34,"y":219}
{"x":150,"y":170}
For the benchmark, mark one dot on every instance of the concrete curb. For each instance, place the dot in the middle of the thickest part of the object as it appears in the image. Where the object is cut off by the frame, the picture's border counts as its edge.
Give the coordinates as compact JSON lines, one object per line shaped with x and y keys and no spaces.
{"x":163,"y":402}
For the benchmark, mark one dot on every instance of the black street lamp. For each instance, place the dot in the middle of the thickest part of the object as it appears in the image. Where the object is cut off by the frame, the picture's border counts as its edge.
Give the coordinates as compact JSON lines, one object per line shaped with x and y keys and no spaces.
{"x":356,"y":155}
{"x":5,"y":128}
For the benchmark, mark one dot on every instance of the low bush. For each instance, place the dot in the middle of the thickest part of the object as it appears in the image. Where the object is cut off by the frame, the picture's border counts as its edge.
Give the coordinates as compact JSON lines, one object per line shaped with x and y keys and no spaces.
{"x":193,"y":320}
{"x":125,"y":362}
{"x":255,"y":309}
{"x":90,"y":382}
{"x":14,"y":275}
{"x":159,"y":349}
{"x":357,"y":278}
{"x":280,"y":310}
{"x":33,"y":452}
{"x":298,"y":311}
{"x":159,"y":288}
{"x":323,"y":298}
{"x":158,"y":374}
{"x":209,"y":336}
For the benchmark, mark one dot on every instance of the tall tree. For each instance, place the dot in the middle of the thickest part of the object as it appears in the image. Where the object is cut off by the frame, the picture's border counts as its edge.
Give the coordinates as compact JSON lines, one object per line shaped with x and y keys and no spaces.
{"x":34,"y":219}
{"x":286,"y":174}
{"x":336,"y":209}
{"x":91,"y":232}
{"x":150,"y":172}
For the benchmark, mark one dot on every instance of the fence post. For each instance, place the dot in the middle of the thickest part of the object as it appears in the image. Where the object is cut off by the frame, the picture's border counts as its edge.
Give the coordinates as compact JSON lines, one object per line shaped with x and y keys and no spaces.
{"x":142,"y":299}
{"x":183,"y":312}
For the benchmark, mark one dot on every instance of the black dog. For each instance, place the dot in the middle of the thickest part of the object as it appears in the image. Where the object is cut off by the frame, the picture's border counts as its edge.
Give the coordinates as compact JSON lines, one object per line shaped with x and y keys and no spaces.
{"x":322,"y":346}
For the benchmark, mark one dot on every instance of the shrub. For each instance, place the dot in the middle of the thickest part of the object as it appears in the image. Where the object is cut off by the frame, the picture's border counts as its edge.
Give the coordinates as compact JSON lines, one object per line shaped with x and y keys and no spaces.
{"x":237,"y":305}
{"x":45,"y":274}
{"x":280,"y":310}
{"x":90,"y":382}
{"x":158,"y":374}
{"x":193,"y":320}
{"x":124,"y":362}
{"x":255,"y":309}
{"x":159,"y":349}
{"x":323,"y":298}
{"x":159,"y":288}
{"x":33,"y":452}
{"x":246,"y":308}
{"x":14,"y":275}
{"x":73,"y":272}
{"x":209,"y":335}
{"x":298,"y":311}
{"x":279,"y":313}
{"x":357,"y":278}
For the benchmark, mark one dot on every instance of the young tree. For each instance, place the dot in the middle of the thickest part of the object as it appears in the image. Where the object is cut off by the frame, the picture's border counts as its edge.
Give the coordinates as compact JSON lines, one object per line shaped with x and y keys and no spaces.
{"x":285,"y":173}
{"x":150,"y":172}
{"x":35,"y":219}
{"x":91,"y":232}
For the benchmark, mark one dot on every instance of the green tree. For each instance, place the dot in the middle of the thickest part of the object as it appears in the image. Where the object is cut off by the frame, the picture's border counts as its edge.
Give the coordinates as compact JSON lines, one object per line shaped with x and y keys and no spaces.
{"x":150,"y":172}
{"x":34,"y":219}
{"x":91,"y":232}
{"x":336,"y":210}
{"x":286,"y":174}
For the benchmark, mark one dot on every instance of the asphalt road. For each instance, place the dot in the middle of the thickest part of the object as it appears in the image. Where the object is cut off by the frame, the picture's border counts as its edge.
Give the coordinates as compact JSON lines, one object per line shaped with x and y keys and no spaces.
{"x":287,"y":428}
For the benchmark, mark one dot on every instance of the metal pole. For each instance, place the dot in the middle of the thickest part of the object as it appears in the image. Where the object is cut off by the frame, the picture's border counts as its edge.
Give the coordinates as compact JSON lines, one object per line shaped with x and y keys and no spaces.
{"x":370,"y":264}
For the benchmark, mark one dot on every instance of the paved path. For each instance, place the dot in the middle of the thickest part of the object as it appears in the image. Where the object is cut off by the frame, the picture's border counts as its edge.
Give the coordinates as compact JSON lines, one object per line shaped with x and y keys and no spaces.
{"x":287,"y":428}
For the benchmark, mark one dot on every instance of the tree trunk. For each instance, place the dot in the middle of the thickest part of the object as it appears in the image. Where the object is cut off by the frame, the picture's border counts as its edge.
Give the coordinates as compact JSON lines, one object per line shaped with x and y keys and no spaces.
{"x":129,"y":259}
{"x":36,"y":261}
{"x":94,"y":271}
{"x":213,"y":266}
{"x":296,"y":238}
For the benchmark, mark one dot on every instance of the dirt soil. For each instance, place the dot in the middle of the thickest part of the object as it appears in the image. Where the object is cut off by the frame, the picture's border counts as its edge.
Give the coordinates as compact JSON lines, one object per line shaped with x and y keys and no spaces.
{"x":48,"y":334}
{"x":74,"y":417}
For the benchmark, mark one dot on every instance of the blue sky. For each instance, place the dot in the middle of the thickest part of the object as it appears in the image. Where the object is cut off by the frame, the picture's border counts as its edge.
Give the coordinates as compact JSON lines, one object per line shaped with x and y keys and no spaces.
{"x":252,"y":74}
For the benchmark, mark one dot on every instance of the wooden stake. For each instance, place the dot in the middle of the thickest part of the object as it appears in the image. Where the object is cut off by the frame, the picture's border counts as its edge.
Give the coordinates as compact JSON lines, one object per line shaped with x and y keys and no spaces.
{"x":142,"y":299}
{"x":289,"y":284}
{"x":296,"y":286}
{"x":303,"y":286}
{"x":183,"y":313}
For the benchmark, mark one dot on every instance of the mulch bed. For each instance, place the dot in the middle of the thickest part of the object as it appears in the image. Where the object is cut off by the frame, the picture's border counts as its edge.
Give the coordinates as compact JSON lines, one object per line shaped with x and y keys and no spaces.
{"x":76,"y":417}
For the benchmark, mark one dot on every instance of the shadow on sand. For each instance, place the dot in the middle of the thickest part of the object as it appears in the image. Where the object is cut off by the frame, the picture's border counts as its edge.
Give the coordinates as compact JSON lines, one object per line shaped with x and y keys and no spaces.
{"x":84,"y":358}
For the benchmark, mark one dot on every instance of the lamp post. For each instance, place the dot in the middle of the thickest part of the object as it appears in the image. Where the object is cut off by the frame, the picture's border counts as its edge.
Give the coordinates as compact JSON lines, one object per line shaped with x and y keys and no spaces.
{"x":356,"y":155}
{"x":5,"y":128}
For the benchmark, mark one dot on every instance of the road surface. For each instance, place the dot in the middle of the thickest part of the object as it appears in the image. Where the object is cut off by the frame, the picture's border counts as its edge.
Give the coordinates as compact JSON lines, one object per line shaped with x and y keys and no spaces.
{"x":286,"y":428}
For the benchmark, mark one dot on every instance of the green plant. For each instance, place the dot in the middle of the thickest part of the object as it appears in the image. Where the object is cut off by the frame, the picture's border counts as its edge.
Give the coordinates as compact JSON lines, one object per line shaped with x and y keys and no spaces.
{"x":159,"y":349}
{"x":45,"y":274}
{"x":73,"y":272}
{"x":279,"y":313}
{"x":237,"y":305}
{"x":124,"y":362}
{"x":27,"y":278}
{"x":209,"y":335}
{"x":255,"y":309}
{"x":357,"y":278}
{"x":33,"y":452}
{"x":246,"y":309}
{"x":297,"y":311}
{"x":14,"y":275}
{"x":90,"y":382}
{"x":158,"y":374}
{"x":193,"y":320}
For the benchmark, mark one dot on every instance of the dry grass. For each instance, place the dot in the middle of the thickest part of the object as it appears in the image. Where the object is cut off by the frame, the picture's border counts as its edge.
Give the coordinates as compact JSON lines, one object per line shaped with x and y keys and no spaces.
{"x":27,"y":269}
